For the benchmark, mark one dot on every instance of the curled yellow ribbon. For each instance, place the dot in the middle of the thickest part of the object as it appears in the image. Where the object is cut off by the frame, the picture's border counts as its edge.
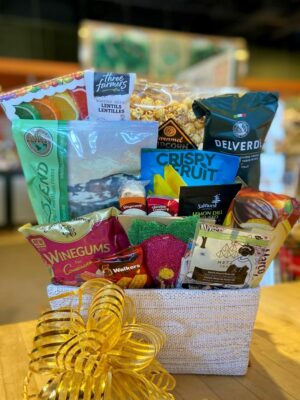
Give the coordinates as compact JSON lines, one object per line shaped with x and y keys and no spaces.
{"x":107,"y":357}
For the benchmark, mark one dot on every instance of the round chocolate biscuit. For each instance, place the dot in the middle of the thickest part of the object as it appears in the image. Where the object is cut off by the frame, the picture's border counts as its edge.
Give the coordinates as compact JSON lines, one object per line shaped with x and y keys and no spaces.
{"x":249,"y":208}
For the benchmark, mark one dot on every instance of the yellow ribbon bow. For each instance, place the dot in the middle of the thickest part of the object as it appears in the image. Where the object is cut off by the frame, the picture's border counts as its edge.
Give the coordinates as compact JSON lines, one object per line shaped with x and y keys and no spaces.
{"x":108,"y":357}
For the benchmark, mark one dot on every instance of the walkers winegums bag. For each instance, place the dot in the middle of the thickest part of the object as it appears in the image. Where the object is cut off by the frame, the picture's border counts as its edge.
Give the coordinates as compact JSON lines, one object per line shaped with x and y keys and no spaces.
{"x":238,"y":125}
{"x":73,"y":248}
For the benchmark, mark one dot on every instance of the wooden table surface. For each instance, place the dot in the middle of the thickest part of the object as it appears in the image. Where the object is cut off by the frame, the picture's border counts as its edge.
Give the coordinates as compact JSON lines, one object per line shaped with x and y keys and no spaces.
{"x":274,"y":373}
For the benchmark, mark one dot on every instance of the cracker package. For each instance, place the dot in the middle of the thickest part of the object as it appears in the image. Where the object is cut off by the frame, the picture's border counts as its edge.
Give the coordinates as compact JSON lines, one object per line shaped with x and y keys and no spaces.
{"x":238,"y":125}
{"x":76,"y":167}
{"x":226,"y":257}
{"x":108,"y":95}
{"x":168,"y":170}
{"x":209,"y":202}
{"x":75,"y":247}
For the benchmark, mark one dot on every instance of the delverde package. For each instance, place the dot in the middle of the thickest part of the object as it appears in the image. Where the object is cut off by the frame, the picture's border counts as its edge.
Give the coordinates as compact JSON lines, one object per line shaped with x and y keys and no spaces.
{"x":238,"y":125}
{"x":73,"y":168}
{"x":76,"y":247}
{"x":168,"y":170}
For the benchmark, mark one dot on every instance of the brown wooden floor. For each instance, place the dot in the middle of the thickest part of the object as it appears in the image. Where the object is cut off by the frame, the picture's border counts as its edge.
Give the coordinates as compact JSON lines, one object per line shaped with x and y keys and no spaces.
{"x":22,"y":290}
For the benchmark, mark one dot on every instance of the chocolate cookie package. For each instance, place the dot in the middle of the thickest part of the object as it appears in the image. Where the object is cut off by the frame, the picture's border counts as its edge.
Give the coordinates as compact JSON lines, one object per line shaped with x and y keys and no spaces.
{"x":226,"y":257}
{"x":264,"y":212}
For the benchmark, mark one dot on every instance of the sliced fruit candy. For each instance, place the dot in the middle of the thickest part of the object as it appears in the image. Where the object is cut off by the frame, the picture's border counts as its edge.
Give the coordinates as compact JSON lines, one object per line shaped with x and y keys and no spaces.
{"x":79,"y":96}
{"x":161,"y":187}
{"x":66,"y":105}
{"x":27,"y":111}
{"x":46,"y":108}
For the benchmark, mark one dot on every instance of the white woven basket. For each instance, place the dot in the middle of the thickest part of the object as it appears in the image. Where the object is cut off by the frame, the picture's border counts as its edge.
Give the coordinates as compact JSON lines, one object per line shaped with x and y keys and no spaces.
{"x":208,"y":331}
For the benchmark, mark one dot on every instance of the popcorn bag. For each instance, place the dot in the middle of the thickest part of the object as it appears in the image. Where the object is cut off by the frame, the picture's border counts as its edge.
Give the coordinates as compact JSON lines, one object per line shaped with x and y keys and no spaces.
{"x":107,"y":192}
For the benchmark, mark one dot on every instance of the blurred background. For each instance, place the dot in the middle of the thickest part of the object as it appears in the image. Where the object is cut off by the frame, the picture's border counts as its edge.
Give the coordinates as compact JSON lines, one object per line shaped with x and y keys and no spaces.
{"x":221,"y":45}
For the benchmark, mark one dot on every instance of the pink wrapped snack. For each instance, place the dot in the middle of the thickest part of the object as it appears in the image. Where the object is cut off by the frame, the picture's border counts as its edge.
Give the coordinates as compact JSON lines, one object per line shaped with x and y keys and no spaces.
{"x":163,"y":255}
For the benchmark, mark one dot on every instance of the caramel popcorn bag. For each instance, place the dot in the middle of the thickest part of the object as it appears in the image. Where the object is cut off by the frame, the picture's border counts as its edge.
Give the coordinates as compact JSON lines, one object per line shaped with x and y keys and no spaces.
{"x":171,"y":106}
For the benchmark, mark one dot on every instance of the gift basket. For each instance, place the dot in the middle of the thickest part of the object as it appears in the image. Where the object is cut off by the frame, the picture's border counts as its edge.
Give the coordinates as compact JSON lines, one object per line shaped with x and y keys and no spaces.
{"x":155,"y":190}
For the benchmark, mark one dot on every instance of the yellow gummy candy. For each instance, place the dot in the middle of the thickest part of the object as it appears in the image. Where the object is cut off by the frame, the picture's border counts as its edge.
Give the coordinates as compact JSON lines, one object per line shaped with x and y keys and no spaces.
{"x":161,"y":187}
{"x":173,"y":179}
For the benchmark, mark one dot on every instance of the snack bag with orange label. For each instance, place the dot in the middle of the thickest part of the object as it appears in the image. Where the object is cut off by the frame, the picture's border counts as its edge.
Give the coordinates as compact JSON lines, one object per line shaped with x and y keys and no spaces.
{"x":62,"y":98}
{"x":125,"y":268}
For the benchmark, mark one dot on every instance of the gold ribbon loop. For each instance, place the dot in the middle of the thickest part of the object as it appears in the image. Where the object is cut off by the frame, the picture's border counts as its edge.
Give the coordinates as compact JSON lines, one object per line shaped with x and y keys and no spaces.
{"x":110,"y":357}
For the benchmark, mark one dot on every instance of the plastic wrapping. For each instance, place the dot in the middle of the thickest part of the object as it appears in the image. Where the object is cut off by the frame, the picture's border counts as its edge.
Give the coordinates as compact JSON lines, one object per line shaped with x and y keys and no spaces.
{"x":74,"y":168}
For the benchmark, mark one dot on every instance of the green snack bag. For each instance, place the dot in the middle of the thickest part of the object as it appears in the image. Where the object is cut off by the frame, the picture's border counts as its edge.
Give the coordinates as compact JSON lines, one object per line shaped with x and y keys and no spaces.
{"x":42,"y":151}
{"x":238,"y":125}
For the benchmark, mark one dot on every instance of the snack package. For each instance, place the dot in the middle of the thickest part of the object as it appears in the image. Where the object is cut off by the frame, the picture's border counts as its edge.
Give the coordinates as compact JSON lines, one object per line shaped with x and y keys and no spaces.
{"x":238,"y":125}
{"x":227,"y":257}
{"x":256,"y":209}
{"x":170,"y":136}
{"x":264,"y":212}
{"x":76,"y":167}
{"x":168,"y":170}
{"x":171,"y":106}
{"x":126,"y":269}
{"x":163,"y":255}
{"x":162,"y":206}
{"x":74,"y":247}
{"x":132,"y":199}
{"x":207,"y":201}
{"x":108,"y":95}
{"x":62,"y":98}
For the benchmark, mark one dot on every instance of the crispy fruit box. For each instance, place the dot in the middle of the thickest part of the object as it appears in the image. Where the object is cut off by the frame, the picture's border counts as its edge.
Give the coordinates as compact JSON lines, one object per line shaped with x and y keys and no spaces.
{"x":62,"y":98}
